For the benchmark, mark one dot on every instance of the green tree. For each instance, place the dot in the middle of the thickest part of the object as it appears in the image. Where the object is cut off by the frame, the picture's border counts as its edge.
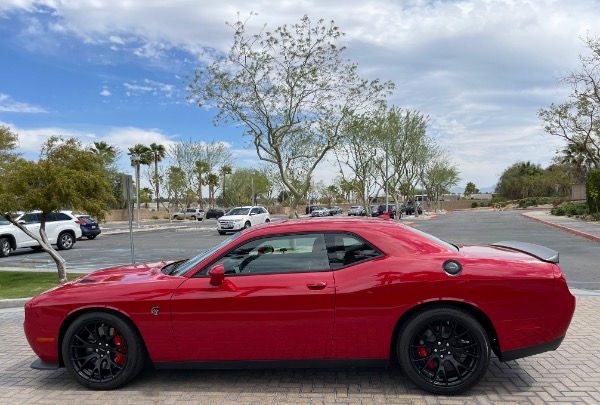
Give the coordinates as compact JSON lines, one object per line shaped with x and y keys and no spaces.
{"x":212,"y":181}
{"x":439,"y":176}
{"x":470,"y":189}
{"x":239,"y":186}
{"x":202,"y":168}
{"x":225,"y":171}
{"x":158,"y":153}
{"x":291,"y":90}
{"x":140,"y":155}
{"x":577,"y":120}
{"x":110,"y":155}
{"x":66,"y":175}
{"x":8,"y":143}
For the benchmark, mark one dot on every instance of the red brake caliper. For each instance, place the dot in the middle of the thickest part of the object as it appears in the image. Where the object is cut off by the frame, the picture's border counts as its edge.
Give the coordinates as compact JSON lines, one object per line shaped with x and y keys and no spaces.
{"x":119,"y":359}
{"x":422,"y":352}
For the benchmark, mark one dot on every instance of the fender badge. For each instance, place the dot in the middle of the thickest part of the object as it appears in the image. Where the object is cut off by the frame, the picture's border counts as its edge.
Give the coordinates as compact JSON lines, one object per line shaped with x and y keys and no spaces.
{"x":155,"y":310}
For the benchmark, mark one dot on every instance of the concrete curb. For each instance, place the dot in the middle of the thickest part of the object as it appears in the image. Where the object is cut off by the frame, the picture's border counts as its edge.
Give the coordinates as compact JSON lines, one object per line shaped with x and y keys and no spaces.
{"x":582,"y":234}
{"x":13,"y":303}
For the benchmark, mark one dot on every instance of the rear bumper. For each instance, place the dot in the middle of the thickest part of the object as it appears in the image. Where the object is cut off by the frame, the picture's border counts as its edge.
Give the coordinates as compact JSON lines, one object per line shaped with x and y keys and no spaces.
{"x":90,"y":232}
{"x":531,"y":350}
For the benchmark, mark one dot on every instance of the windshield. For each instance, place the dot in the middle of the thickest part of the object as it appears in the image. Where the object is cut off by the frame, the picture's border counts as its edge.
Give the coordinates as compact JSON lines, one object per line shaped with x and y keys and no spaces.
{"x":4,"y":221}
{"x":193,"y":262}
{"x":239,"y":211}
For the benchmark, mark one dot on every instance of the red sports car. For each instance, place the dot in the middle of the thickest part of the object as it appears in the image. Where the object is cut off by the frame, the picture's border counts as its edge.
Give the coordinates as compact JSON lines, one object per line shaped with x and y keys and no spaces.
{"x":310,"y":293}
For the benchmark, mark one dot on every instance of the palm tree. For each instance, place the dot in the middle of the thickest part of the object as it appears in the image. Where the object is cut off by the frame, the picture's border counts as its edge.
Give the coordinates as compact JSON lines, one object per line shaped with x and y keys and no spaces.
{"x":225,"y":171}
{"x":108,"y":153}
{"x":140,"y":155}
{"x":212,"y":180}
{"x":202,"y":168}
{"x":158,"y":153}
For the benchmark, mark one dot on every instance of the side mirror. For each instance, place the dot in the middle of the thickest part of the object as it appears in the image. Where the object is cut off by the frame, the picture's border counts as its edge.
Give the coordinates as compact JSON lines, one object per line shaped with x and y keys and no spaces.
{"x":217,"y":275}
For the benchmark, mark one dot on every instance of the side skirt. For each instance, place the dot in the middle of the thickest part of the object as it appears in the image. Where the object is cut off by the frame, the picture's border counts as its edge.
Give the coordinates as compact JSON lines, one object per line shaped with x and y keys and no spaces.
{"x":236,"y":365}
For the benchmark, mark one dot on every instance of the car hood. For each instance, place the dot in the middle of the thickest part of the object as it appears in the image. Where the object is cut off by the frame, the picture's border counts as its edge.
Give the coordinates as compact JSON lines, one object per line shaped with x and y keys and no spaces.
{"x":124,"y":274}
{"x":232,"y":217}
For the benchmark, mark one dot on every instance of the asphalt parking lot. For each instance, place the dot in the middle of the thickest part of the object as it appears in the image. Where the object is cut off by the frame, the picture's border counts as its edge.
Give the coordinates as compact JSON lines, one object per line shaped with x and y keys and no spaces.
{"x":569,"y":375}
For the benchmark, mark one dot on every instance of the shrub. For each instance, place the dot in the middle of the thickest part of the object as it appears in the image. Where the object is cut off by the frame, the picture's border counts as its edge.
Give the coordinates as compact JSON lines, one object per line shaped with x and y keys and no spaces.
{"x":154,"y":217}
{"x":570,"y":210}
{"x":592,"y":190}
{"x":474,"y":204}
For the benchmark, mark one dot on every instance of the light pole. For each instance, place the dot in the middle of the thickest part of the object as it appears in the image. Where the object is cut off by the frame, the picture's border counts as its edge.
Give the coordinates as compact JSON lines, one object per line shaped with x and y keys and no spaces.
{"x":135,"y":158}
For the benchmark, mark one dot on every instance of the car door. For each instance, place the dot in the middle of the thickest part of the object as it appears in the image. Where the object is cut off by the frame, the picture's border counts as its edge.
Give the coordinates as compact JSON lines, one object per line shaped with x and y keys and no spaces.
{"x":32,"y":223}
{"x":276,"y":302}
{"x":256,"y":216}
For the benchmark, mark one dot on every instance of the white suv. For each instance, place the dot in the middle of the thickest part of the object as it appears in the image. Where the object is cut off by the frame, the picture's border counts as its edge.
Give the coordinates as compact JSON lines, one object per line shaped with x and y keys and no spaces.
{"x":62,"y":229}
{"x":242,"y":218}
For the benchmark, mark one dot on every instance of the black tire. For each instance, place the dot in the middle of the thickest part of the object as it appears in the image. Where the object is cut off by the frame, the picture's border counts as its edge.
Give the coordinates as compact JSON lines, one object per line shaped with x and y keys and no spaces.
{"x":267,"y":221}
{"x":65,"y":241}
{"x":102,"y":351}
{"x":444,"y":351}
{"x":4,"y":247}
{"x":222,"y":233}
{"x":91,"y":236}
{"x":247,"y":225}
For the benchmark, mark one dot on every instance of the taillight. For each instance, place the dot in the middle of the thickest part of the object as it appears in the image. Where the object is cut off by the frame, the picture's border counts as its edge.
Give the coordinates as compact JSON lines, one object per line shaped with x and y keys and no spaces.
{"x":80,"y":222}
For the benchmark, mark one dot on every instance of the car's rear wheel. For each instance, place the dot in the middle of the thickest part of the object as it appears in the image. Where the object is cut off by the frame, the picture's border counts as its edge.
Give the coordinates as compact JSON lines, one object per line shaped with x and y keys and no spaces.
{"x":4,"y":247}
{"x":102,"y":351}
{"x":65,"y":241}
{"x":444,"y":350}
{"x":267,"y":221}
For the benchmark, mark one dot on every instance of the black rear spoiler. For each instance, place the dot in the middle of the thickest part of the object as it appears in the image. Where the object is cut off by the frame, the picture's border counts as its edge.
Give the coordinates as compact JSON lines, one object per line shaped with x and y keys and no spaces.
{"x":543,"y":253}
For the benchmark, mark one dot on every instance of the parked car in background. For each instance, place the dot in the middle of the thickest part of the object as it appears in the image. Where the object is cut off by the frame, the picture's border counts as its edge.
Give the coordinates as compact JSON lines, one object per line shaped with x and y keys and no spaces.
{"x":409,"y":208}
{"x":311,"y":292}
{"x":384,"y":209}
{"x":334,"y":209}
{"x":62,"y":229}
{"x":242,"y":218}
{"x":356,"y":210}
{"x":214,"y":213}
{"x":190,"y":213}
{"x":310,"y":208}
{"x":89,"y":227}
{"x":321,"y":212}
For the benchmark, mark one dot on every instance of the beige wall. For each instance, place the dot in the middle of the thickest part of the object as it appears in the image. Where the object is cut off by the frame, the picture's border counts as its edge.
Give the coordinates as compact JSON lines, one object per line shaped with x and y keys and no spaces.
{"x":578,"y":192}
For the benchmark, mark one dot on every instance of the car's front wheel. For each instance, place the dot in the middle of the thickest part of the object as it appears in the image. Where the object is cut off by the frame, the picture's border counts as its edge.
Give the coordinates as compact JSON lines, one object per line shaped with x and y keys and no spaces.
{"x":4,"y":247}
{"x":102,"y":351}
{"x":65,"y":241}
{"x":444,"y":351}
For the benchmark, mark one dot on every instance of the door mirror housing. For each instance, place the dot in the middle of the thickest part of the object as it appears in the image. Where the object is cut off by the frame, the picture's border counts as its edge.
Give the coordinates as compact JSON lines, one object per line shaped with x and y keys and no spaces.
{"x":217,"y":275}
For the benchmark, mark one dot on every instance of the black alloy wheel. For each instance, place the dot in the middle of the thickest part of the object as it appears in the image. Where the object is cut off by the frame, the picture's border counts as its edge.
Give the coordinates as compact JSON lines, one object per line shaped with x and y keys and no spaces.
{"x":444,"y":351}
{"x":102,"y":351}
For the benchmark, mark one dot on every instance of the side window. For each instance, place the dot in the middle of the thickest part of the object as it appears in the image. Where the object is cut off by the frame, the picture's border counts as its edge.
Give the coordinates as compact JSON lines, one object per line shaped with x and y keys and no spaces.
{"x":347,"y":249}
{"x":61,"y":216}
{"x":51,"y":218}
{"x":294,"y":253}
{"x":255,"y":211}
{"x":30,"y":218}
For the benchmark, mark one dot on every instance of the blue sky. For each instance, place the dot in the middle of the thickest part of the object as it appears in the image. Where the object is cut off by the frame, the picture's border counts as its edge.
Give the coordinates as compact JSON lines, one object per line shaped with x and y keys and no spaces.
{"x":116,"y":71}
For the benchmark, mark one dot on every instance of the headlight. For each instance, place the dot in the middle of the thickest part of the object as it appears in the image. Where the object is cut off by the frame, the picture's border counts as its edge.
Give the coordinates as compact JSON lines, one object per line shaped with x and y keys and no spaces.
{"x":237,"y":220}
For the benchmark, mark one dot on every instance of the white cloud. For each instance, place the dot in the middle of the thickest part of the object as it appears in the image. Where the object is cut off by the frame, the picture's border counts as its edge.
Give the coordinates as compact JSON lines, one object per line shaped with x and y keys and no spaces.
{"x":9,"y":105}
{"x":105,"y":93}
{"x":480,"y":69}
